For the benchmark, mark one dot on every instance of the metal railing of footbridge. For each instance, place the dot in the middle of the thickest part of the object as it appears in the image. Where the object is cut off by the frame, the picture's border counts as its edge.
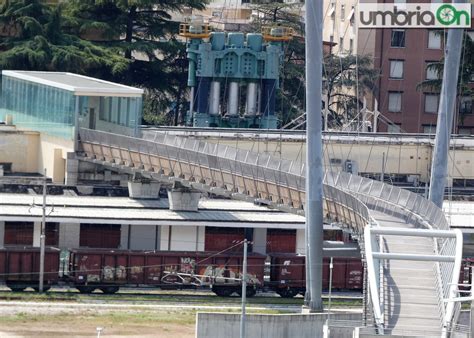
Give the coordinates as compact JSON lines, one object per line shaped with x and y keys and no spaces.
{"x":279,"y":183}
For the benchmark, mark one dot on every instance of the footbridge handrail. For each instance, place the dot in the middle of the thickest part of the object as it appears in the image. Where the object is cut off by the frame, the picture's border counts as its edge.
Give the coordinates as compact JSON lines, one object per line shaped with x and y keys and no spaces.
{"x":280,"y":183}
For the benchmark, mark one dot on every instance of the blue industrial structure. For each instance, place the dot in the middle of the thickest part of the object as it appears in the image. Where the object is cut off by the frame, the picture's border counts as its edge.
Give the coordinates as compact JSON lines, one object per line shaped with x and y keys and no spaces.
{"x":221,"y":66}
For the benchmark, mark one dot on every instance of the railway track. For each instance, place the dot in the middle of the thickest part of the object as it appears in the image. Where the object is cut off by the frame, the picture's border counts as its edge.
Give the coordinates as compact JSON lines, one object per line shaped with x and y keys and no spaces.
{"x":189,"y":297}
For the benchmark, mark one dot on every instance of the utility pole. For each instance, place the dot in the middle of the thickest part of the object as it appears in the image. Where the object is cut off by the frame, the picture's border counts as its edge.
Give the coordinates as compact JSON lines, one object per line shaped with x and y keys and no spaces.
{"x":314,"y":154}
{"x":447,"y":105}
{"x":331,"y":268}
{"x":244,"y":291}
{"x":43,"y":237}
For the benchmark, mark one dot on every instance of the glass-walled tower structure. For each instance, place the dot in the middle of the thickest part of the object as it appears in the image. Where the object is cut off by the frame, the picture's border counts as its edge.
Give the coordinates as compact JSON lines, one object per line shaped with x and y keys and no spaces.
{"x":58,"y":103}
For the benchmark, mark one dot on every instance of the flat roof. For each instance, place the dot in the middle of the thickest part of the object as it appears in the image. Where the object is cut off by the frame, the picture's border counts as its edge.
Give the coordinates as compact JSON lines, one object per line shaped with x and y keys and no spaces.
{"x":79,"y":84}
{"x":124,"y":210}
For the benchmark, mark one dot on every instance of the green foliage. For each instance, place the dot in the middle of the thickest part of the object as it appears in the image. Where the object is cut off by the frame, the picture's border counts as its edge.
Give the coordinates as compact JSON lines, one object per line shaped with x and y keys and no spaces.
{"x":343,"y":76}
{"x":290,"y":99}
{"x":37,"y":41}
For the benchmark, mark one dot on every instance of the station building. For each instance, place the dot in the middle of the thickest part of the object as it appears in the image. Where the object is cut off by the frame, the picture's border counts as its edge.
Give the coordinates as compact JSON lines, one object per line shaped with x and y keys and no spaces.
{"x":55,"y":105}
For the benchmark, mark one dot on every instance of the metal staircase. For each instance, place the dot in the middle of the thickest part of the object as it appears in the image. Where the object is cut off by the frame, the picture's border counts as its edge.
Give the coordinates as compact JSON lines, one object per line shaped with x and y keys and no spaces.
{"x":413,"y":258}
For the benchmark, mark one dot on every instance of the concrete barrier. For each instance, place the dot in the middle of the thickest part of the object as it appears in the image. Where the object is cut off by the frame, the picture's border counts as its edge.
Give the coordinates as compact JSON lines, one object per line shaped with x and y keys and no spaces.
{"x":219,"y":325}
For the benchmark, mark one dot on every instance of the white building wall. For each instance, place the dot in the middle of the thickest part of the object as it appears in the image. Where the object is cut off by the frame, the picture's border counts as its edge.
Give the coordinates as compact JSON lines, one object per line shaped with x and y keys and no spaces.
{"x":69,"y":235}
{"x":185,"y":238}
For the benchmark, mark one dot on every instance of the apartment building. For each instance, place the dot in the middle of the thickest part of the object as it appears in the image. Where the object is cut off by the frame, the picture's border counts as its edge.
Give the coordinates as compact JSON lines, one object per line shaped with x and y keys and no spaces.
{"x":402,"y":56}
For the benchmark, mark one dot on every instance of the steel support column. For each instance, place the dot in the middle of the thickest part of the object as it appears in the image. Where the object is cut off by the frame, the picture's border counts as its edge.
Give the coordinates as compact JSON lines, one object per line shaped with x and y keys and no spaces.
{"x":447,"y":105}
{"x":314,"y":153}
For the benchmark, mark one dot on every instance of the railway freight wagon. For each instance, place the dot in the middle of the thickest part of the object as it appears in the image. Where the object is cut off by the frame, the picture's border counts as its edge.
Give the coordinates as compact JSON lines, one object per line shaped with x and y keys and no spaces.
{"x":109,"y":270}
{"x":288,"y":273}
{"x":19,"y":268}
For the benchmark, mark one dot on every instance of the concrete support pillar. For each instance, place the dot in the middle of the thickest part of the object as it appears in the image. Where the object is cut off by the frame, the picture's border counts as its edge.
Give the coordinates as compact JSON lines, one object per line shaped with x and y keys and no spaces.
{"x":141,"y":190}
{"x":183,"y":200}
{"x":2,"y":234}
{"x":300,"y":242}
{"x":200,"y":238}
{"x":125,"y":231}
{"x":165,"y":237}
{"x":72,"y":169}
{"x":36,"y":234}
{"x":69,"y":235}
{"x":260,"y":240}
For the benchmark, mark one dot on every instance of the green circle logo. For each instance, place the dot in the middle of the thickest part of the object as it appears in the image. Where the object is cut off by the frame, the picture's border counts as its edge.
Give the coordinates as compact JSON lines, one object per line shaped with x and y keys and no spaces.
{"x":446,"y":14}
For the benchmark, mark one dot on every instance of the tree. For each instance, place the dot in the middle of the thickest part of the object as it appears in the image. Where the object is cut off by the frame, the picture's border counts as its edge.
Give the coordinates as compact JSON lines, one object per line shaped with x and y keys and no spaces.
{"x":32,"y":38}
{"x":290,"y":98}
{"x":347,"y":79}
{"x":145,"y":34}
{"x":465,"y":79}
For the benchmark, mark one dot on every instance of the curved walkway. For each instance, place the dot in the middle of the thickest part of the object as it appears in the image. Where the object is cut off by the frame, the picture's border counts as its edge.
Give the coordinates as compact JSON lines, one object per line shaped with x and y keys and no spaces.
{"x":412,"y":256}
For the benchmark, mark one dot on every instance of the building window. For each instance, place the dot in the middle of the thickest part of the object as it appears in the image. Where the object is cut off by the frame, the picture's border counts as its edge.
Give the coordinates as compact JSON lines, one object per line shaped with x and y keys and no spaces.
{"x":18,"y":233}
{"x":343,"y":12}
{"x":351,"y":46}
{"x":434,"y":40}
{"x":429,"y":129}
{"x":398,"y":38}
{"x":431,"y":103}
{"x":396,"y":69}
{"x":331,"y":38}
{"x":431,"y":73}
{"x":394,"y":128}
{"x":341,"y":44}
{"x":394,"y":102}
{"x":465,"y":106}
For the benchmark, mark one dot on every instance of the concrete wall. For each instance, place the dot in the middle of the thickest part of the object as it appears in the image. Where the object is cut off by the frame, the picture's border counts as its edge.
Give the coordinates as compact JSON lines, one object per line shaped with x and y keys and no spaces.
{"x":19,"y":148}
{"x":52,"y":155}
{"x":218,"y":325}
{"x":69,"y":235}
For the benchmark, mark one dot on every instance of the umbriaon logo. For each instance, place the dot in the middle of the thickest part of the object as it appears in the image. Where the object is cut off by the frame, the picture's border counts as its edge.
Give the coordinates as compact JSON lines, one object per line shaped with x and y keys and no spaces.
{"x":420,"y":15}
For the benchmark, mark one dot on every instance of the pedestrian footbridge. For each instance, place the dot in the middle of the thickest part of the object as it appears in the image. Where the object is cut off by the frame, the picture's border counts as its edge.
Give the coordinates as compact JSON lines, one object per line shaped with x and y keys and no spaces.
{"x":412,"y":256}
